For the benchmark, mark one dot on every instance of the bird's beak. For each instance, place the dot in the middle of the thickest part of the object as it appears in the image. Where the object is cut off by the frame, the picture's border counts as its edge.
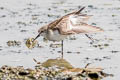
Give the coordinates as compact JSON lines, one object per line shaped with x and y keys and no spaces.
{"x":36,"y":37}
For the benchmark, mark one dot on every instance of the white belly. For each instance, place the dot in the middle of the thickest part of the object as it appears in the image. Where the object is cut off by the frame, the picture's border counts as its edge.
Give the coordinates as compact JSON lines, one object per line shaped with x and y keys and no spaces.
{"x":55,"y":36}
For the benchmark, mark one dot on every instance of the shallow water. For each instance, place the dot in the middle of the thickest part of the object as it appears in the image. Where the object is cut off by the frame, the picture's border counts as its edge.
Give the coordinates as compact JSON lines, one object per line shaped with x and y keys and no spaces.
{"x":20,"y":19}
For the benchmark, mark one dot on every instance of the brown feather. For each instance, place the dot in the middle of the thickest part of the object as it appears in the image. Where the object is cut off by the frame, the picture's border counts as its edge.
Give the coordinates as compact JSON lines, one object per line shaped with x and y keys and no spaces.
{"x":56,"y":22}
{"x":63,"y":24}
{"x":85,"y":28}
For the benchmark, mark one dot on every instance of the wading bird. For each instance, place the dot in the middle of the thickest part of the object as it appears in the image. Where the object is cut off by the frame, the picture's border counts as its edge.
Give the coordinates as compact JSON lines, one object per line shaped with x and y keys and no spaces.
{"x":72,"y":23}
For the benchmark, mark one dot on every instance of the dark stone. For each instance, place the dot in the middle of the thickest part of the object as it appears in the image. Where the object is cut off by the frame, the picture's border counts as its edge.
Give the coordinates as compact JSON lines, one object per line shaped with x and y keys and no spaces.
{"x":23,"y":73}
{"x":93,"y":75}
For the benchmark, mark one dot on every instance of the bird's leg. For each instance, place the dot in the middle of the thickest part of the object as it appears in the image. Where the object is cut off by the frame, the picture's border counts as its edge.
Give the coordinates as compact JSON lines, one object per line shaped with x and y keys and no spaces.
{"x":62,"y":48}
{"x":90,"y":38}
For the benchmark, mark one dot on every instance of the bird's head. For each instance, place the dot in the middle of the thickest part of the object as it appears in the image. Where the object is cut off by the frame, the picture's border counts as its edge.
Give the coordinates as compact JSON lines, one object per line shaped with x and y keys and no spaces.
{"x":41,"y":31}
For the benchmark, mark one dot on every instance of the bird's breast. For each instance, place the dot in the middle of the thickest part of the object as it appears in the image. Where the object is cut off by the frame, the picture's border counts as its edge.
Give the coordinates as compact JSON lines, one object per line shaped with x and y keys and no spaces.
{"x":54,"y":35}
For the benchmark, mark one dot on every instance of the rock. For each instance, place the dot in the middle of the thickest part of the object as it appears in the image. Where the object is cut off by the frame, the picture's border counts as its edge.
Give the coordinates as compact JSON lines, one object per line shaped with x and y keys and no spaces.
{"x":55,"y":45}
{"x":13,"y":43}
{"x":57,"y":62}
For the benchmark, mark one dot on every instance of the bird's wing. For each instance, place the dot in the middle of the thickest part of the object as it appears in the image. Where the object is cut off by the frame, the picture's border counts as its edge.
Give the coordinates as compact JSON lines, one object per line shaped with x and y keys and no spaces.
{"x":85,"y":28}
{"x":78,"y":24}
{"x":62,"y":24}
{"x":54,"y":24}
{"x":73,"y":23}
